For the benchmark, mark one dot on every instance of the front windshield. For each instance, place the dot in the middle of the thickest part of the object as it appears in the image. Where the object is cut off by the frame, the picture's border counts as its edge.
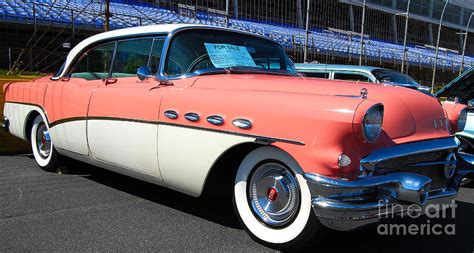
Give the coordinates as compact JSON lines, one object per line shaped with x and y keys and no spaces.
{"x":393,"y":77}
{"x":199,"y":49}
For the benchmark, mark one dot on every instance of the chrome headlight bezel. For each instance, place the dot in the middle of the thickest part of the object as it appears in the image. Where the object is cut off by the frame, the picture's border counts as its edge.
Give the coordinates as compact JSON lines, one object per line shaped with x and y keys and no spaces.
{"x":462,"y":120}
{"x":372,"y":123}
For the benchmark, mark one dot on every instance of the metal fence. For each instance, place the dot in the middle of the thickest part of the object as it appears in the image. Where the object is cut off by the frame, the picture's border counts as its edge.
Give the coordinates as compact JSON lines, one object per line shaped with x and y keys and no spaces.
{"x":38,"y":32}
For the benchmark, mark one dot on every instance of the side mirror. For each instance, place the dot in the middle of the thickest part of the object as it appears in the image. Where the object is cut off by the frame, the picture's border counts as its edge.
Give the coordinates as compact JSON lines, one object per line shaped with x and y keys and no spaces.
{"x":470,"y":104}
{"x":143,"y":73}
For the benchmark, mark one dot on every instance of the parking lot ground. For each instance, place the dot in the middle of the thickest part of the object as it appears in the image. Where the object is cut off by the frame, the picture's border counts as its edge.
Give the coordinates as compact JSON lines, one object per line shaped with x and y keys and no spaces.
{"x":90,"y":209}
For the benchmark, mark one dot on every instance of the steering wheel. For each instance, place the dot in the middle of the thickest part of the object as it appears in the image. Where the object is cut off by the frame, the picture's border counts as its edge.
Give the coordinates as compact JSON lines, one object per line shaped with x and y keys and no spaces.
{"x":195,"y":63}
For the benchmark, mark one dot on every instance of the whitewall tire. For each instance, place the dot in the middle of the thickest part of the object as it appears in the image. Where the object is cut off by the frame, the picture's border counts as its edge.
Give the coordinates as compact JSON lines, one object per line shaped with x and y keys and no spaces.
{"x":272,"y":200}
{"x":42,"y":146}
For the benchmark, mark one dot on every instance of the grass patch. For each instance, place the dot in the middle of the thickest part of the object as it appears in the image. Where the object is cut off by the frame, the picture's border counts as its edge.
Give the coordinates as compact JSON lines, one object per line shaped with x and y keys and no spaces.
{"x":20,"y":76}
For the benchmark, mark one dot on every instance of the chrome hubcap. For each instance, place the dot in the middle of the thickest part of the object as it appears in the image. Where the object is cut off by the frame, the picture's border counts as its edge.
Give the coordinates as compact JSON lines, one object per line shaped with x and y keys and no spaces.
{"x":274,"y":194}
{"x":43,"y":141}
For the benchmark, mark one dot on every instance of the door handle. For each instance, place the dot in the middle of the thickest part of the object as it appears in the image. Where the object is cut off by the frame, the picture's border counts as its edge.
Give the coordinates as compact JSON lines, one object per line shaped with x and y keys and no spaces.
{"x":108,"y":81}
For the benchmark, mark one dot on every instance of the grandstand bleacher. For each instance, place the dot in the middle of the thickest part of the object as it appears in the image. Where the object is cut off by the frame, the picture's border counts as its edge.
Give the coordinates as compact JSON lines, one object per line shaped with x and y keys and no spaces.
{"x":84,"y":13}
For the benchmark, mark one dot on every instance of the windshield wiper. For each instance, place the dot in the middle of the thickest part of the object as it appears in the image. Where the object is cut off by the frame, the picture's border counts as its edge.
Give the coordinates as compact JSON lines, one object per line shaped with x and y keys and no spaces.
{"x":210,"y":71}
{"x":257,"y":70}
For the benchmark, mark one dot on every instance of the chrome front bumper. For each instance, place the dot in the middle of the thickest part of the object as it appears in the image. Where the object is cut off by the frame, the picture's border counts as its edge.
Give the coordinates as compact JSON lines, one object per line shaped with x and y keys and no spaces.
{"x":348,"y":205}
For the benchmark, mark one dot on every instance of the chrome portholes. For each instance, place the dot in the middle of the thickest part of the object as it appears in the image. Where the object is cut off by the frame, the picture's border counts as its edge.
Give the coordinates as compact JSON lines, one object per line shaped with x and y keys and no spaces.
{"x":274,"y":194}
{"x":191,"y":116}
{"x":242,"y":123}
{"x":171,"y":114}
{"x":43,"y":141}
{"x":215,"y":120}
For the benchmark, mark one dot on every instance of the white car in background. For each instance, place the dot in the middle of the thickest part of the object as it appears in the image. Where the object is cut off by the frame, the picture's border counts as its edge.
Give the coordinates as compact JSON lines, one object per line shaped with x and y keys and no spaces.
{"x":458,"y":101}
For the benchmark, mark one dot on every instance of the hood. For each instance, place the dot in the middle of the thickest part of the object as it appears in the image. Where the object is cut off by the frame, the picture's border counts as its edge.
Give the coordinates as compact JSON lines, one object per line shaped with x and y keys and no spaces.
{"x":408,"y":114}
{"x":461,"y":88}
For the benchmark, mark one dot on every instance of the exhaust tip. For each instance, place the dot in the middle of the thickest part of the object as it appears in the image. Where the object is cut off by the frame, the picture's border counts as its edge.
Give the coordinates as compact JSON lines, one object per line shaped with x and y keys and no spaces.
{"x":6,"y":124}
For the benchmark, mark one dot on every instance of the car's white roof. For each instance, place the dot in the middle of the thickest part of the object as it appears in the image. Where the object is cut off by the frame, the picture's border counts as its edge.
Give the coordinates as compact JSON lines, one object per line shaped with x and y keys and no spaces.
{"x":139,"y":30}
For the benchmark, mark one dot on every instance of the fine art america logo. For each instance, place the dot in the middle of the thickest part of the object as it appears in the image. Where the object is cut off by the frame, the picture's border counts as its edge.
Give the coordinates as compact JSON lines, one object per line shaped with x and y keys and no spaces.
{"x":437,"y":212}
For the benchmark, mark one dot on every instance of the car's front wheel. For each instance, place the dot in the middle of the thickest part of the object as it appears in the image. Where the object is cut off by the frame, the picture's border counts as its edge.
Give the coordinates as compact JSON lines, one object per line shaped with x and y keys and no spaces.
{"x":272,"y":200}
{"x":44,"y":152}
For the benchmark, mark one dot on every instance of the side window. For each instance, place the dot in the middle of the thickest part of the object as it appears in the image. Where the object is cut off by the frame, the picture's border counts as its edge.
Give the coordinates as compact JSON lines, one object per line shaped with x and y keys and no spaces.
{"x":351,"y":77}
{"x":95,"y":63}
{"x":132,"y":54}
{"x":317,"y":74}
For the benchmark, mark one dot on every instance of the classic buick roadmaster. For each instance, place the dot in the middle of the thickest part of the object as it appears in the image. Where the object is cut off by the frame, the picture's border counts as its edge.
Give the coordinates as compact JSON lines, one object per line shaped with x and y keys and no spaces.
{"x":190,"y":107}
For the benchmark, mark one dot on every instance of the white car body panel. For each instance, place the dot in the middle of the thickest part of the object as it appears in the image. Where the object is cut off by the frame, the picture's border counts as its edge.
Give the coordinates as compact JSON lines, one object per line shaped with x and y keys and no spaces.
{"x":186,"y":155}
{"x":17,"y":114}
{"x":131,"y":145}
{"x":71,"y":136}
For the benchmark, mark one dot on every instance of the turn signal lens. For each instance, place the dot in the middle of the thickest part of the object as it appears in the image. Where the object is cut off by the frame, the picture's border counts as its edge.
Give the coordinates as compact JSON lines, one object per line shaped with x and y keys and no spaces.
{"x":343,"y":160}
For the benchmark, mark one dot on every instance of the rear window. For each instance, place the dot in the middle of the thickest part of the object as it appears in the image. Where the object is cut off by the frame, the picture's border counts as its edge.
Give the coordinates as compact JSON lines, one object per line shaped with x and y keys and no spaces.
{"x":393,"y":77}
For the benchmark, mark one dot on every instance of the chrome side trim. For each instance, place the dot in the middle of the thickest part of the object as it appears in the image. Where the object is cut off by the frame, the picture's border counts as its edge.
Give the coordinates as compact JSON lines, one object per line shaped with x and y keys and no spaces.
{"x":377,"y":156}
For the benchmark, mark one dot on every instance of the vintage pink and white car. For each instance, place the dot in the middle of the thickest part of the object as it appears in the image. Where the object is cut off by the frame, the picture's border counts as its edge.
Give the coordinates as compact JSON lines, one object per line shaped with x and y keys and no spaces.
{"x":198,"y":108}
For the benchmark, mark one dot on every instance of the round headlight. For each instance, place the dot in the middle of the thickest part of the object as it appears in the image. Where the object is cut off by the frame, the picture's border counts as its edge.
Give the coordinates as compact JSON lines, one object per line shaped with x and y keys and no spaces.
{"x":372,"y":124}
{"x":462,"y":120}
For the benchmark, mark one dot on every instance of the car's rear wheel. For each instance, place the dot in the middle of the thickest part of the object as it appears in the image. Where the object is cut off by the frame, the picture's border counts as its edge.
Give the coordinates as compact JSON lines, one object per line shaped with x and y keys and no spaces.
{"x":44,"y":152}
{"x":273,"y":202}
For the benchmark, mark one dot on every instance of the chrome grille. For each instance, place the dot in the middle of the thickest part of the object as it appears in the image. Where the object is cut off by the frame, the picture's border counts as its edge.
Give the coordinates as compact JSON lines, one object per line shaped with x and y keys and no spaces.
{"x":415,"y":164}
{"x":408,"y":160}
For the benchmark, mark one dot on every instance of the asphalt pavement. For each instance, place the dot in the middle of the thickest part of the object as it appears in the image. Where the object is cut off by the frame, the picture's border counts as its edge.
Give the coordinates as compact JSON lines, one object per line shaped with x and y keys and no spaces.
{"x":84,"y":209}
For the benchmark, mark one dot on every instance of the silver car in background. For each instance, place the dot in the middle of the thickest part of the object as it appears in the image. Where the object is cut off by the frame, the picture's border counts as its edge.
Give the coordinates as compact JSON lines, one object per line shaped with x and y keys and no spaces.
{"x":361,"y":74}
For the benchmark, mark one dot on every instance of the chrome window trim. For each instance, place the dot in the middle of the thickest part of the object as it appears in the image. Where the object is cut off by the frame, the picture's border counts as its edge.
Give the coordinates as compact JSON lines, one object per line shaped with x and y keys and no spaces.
{"x":112,"y":62}
{"x":91,"y":46}
{"x":82,"y":55}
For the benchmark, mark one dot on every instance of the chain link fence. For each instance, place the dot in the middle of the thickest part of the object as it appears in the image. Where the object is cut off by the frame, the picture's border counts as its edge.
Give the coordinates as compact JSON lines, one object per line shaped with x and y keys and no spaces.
{"x":39,"y":33}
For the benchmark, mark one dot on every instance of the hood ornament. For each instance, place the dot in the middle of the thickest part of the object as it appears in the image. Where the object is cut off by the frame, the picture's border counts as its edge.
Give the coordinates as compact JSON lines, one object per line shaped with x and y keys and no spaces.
{"x":364,"y":93}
